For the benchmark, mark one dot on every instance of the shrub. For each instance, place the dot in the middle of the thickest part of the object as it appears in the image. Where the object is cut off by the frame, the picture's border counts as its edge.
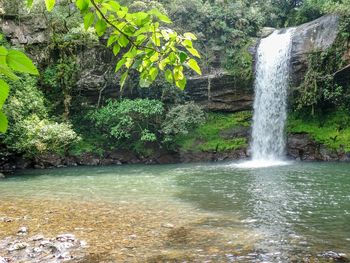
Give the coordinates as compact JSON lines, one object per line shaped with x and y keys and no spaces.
{"x":181,"y":119}
{"x":38,"y":136}
{"x":31,"y":131}
{"x":130,"y":121}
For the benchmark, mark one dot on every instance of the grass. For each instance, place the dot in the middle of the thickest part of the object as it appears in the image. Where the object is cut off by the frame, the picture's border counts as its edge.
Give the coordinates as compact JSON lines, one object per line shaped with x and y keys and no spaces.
{"x":207,"y":137}
{"x":332,"y":130}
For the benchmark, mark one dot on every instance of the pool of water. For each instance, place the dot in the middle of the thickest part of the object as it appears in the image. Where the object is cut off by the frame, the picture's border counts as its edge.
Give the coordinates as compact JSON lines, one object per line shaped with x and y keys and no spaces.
{"x":214,"y":212}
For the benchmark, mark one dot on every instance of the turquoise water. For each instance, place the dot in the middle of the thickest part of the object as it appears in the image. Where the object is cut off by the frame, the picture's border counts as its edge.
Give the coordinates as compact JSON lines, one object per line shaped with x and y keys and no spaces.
{"x":301,"y":209}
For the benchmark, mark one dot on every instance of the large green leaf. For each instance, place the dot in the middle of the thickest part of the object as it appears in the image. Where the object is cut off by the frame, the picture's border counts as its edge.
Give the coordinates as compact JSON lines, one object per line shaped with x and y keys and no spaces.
{"x":50,"y":4}
{"x":5,"y":70}
{"x":3,"y":122}
{"x":194,"y":65}
{"x":169,"y":76}
{"x":18,"y":61}
{"x":88,"y":20}
{"x":123,"y":79}
{"x":160,"y":16}
{"x":100,"y":27}
{"x":4,"y":92}
{"x":82,"y":4}
{"x":116,"y":49}
{"x":3,"y":51}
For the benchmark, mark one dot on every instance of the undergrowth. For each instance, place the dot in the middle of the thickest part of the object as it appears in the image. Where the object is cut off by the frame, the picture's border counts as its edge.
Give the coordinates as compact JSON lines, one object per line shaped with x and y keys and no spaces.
{"x":331,"y":129}
{"x":208,"y":138}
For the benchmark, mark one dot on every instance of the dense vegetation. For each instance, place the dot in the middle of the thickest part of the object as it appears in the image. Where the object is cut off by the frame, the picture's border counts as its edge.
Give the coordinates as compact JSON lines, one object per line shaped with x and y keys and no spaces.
{"x":49,"y":114}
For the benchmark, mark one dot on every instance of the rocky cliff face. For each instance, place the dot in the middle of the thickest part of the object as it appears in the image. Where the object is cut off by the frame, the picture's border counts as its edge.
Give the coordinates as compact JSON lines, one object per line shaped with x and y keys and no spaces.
{"x":319,"y":34}
{"x":220,"y":92}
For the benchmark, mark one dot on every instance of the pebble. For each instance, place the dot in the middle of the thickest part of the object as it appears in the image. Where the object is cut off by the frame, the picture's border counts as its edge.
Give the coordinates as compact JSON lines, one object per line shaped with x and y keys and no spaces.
{"x":83,"y":244}
{"x":18,"y":246}
{"x":6,"y":219}
{"x":65,"y":256}
{"x":341,"y":257}
{"x":40,"y":249}
{"x":22,"y":231}
{"x":66,"y":237}
{"x":168,"y":225}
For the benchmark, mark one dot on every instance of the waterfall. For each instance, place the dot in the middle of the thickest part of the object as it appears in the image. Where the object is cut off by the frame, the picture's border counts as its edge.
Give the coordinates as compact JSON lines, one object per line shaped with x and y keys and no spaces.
{"x":270,"y":104}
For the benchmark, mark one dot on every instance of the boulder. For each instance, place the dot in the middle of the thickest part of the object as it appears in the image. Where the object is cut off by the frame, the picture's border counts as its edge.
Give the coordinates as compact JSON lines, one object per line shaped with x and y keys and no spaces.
{"x":319,"y":34}
{"x":30,"y":30}
{"x":266,"y":31}
{"x":301,"y":147}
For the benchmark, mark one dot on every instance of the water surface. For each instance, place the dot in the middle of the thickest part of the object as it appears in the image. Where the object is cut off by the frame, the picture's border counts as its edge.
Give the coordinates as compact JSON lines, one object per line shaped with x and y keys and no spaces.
{"x":196,"y":212}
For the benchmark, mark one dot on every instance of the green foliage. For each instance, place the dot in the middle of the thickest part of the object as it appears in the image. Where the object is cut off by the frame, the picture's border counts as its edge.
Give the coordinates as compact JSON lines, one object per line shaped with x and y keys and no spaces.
{"x":32,"y":131}
{"x":129,"y":121}
{"x":149,"y":46}
{"x":224,"y":29}
{"x":286,"y":13}
{"x":318,"y":90}
{"x":207,"y":137}
{"x":60,"y":78}
{"x":331,"y":129}
{"x":11,"y":61}
{"x":38,"y":136}
{"x":181,"y":120}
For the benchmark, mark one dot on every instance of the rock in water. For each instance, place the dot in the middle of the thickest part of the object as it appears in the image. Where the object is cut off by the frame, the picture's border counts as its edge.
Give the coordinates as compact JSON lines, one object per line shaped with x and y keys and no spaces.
{"x":18,"y":246}
{"x":66,"y":238}
{"x":337,"y":257}
{"x":22,"y":231}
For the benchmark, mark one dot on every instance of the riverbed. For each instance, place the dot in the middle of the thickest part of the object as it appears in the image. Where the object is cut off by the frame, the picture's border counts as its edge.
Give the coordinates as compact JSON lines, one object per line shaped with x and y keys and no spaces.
{"x":298,"y":212}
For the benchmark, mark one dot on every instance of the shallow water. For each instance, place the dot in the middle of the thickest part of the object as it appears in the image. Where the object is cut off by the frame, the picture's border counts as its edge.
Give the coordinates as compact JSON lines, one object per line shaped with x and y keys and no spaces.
{"x":197,"y":212}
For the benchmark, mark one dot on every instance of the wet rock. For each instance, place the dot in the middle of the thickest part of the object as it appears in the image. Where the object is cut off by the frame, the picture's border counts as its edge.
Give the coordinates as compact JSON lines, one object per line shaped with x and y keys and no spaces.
{"x":17,"y":246}
{"x":301,"y":147}
{"x":2,"y":176}
{"x":22,"y":231}
{"x":64,"y":256}
{"x":168,"y":225}
{"x":2,"y":260}
{"x":63,"y":248}
{"x":337,"y":257}
{"x":6,"y":219}
{"x":266,"y":31}
{"x":66,"y":238}
{"x":88,"y":159}
{"x":49,"y":160}
{"x":188,"y":157}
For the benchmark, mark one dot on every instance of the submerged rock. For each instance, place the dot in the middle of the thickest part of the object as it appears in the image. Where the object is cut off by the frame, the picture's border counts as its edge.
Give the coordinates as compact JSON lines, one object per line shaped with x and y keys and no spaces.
{"x":22,"y":231}
{"x":337,"y":257}
{"x":63,"y":248}
{"x":168,"y":225}
{"x":17,"y":246}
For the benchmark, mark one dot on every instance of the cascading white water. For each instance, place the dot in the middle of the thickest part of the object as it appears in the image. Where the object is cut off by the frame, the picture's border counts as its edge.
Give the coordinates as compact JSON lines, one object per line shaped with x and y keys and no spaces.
{"x":270,"y":104}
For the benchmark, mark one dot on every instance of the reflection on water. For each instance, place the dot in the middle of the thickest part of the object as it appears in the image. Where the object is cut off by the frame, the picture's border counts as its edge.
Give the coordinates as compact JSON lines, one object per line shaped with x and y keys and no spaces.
{"x":299,"y":210}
